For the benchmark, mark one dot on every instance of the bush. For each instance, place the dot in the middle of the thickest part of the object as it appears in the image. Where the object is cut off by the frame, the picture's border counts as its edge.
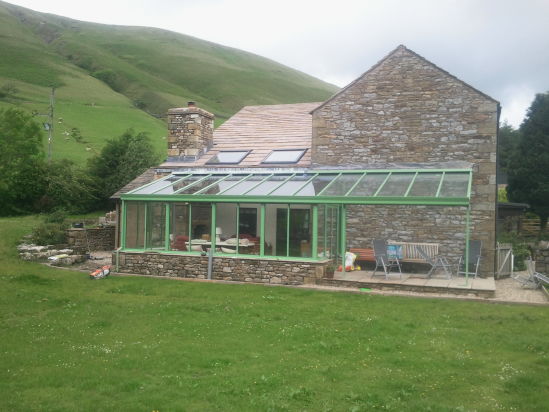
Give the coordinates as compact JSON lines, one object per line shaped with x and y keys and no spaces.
{"x":59,"y":216}
{"x":49,"y":234}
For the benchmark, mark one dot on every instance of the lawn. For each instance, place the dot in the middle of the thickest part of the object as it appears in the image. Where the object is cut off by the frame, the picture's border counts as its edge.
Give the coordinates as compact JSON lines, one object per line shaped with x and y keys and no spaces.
{"x":130,"y":343}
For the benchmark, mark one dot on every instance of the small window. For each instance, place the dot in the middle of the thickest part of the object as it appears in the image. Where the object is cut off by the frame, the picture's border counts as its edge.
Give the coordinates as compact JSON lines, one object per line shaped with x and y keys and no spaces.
{"x":284,"y":156}
{"x":228,"y":157}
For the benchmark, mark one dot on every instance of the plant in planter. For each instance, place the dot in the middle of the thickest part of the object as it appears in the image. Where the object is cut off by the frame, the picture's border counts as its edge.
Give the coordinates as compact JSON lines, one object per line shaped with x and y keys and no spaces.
{"x":329,"y":271}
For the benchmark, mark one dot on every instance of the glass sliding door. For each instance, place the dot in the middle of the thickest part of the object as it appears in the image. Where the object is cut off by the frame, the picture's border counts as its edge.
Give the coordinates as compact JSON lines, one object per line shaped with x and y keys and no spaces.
{"x":201,"y":226}
{"x":293,"y":231}
{"x":179,"y":226}
{"x":135,"y":225}
{"x":156,"y":226}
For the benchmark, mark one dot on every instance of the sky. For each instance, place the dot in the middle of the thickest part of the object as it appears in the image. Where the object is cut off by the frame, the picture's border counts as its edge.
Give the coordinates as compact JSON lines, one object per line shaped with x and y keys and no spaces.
{"x":500,"y":47}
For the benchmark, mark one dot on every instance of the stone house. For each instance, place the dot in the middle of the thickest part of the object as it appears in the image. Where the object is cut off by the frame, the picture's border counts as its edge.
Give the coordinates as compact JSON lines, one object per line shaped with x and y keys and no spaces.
{"x":406,"y":152}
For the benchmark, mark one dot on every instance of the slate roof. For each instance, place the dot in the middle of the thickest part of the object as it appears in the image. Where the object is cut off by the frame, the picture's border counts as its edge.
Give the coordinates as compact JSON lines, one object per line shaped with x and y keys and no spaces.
{"x":262,"y":129}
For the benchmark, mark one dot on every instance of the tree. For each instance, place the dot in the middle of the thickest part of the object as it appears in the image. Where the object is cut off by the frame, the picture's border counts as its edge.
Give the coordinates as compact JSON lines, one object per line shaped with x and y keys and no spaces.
{"x":508,"y":140}
{"x":21,"y":162}
{"x":121,"y":160}
{"x":67,"y":187}
{"x":528,"y":174}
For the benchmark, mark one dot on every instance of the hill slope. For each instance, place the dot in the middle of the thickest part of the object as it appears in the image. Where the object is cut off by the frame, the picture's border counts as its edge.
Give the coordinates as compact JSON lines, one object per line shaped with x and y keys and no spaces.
{"x":110,"y":78}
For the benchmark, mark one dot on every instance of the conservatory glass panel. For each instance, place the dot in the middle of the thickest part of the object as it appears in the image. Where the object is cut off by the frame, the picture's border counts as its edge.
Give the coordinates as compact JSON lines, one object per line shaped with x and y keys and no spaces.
{"x":200,"y":185}
{"x":159,"y":184}
{"x":267,"y":186}
{"x":318,"y":183}
{"x":292,"y":185}
{"x":244,"y":186}
{"x":426,"y":184}
{"x":342,"y":185}
{"x":223,"y":185}
{"x":369,"y":185}
{"x":396,"y":185}
{"x":454,"y":185}
{"x":178,"y":183}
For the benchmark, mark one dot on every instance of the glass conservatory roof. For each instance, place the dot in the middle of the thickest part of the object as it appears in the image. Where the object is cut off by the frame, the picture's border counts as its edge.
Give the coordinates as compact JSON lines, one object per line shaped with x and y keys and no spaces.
{"x":396,"y":186}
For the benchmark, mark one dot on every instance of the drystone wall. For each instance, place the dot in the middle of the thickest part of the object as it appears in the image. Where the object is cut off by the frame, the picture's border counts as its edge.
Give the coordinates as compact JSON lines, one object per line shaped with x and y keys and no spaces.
{"x":404,"y":111}
{"x":91,"y":239}
{"x":251,"y":270}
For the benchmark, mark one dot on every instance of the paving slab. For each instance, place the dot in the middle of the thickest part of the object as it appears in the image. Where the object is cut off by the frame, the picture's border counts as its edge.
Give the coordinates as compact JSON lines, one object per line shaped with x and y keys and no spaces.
{"x":484,"y":284}
{"x":438,"y":283}
{"x":415,"y":281}
{"x":460,"y":283}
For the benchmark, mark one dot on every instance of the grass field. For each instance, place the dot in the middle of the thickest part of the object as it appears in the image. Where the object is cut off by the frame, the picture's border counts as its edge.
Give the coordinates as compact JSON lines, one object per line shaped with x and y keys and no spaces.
{"x":130,"y":343}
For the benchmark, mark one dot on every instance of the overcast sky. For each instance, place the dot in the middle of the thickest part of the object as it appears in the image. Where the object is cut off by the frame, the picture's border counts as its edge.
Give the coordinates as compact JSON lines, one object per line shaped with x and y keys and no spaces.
{"x":498,"y":46}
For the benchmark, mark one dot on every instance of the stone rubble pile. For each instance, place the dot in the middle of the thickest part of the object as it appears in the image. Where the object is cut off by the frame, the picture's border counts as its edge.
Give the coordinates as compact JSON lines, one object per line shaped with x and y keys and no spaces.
{"x":36,"y":253}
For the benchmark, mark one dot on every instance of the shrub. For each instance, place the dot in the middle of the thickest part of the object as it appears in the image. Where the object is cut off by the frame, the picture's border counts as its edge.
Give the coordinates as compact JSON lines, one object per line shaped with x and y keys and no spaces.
{"x":49,"y":234}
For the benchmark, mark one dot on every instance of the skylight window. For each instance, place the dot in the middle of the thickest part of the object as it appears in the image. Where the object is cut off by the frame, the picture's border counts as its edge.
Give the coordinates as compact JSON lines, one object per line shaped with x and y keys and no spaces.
{"x":284,"y":156}
{"x":226,"y":157}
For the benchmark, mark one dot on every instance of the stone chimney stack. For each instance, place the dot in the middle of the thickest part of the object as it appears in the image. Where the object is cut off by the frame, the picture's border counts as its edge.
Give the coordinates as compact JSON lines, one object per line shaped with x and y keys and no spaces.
{"x":190,"y":133}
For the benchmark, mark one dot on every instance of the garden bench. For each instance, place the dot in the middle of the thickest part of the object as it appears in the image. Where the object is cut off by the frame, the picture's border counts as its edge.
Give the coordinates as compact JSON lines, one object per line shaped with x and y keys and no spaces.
{"x":409,"y":252}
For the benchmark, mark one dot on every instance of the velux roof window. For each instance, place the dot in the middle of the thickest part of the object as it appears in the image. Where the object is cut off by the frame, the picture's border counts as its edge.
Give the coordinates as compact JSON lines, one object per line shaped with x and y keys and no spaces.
{"x":226,"y":157}
{"x":284,"y":156}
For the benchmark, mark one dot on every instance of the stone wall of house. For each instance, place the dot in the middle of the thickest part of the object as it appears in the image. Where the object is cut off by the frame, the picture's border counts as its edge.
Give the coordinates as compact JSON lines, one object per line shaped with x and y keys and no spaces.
{"x":92,"y":239}
{"x":190,"y":133}
{"x":406,"y":110}
{"x":252,"y":270}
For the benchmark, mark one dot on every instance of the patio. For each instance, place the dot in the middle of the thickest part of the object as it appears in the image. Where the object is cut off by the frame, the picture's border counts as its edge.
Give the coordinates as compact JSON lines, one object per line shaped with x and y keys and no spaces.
{"x":414,"y":282}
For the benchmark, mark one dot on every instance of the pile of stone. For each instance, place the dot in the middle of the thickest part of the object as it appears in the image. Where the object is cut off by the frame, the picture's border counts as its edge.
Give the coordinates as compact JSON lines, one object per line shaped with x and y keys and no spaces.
{"x":57,"y":255}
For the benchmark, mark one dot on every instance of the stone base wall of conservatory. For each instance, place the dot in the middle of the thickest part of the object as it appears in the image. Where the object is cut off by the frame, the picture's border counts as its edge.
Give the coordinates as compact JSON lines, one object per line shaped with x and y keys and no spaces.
{"x":253,"y":270}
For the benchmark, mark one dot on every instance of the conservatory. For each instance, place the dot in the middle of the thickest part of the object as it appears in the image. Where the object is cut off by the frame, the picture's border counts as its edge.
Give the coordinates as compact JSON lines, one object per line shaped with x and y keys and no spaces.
{"x":297,"y":215}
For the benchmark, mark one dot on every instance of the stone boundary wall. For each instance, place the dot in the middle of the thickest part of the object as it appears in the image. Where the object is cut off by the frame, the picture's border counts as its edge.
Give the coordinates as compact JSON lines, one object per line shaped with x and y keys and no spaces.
{"x":91,"y":239}
{"x":251,"y":270}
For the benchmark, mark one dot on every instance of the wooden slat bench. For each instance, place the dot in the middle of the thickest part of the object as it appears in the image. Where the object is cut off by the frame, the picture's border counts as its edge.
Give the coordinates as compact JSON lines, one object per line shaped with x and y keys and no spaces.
{"x":363,"y":255}
{"x":409,"y":252}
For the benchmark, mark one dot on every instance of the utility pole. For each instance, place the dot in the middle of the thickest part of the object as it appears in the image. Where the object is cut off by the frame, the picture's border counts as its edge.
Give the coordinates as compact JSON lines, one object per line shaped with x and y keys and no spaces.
{"x":50,"y":126}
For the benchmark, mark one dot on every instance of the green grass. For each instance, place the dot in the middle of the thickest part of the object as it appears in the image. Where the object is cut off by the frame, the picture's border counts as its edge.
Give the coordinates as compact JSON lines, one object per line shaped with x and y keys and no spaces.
{"x":151,"y":68}
{"x":130,"y":343}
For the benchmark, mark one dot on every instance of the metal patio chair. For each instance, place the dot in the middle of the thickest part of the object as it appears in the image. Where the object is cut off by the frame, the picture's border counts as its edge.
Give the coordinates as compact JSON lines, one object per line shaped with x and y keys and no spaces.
{"x":475,"y":254}
{"x":435,"y":262}
{"x":383,"y":260}
{"x":532,"y":279}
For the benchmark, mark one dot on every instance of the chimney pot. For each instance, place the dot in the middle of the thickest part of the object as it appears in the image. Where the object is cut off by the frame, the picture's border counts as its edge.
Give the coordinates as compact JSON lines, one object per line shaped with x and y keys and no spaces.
{"x":191,"y":104}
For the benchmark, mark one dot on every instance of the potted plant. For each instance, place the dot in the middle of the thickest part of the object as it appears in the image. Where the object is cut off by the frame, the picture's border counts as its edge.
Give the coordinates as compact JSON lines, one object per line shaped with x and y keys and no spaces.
{"x":329,"y":271}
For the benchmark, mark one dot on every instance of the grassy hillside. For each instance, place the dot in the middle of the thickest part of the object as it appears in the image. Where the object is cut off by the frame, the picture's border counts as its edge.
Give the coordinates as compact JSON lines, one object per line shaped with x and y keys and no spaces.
{"x":110,"y":78}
